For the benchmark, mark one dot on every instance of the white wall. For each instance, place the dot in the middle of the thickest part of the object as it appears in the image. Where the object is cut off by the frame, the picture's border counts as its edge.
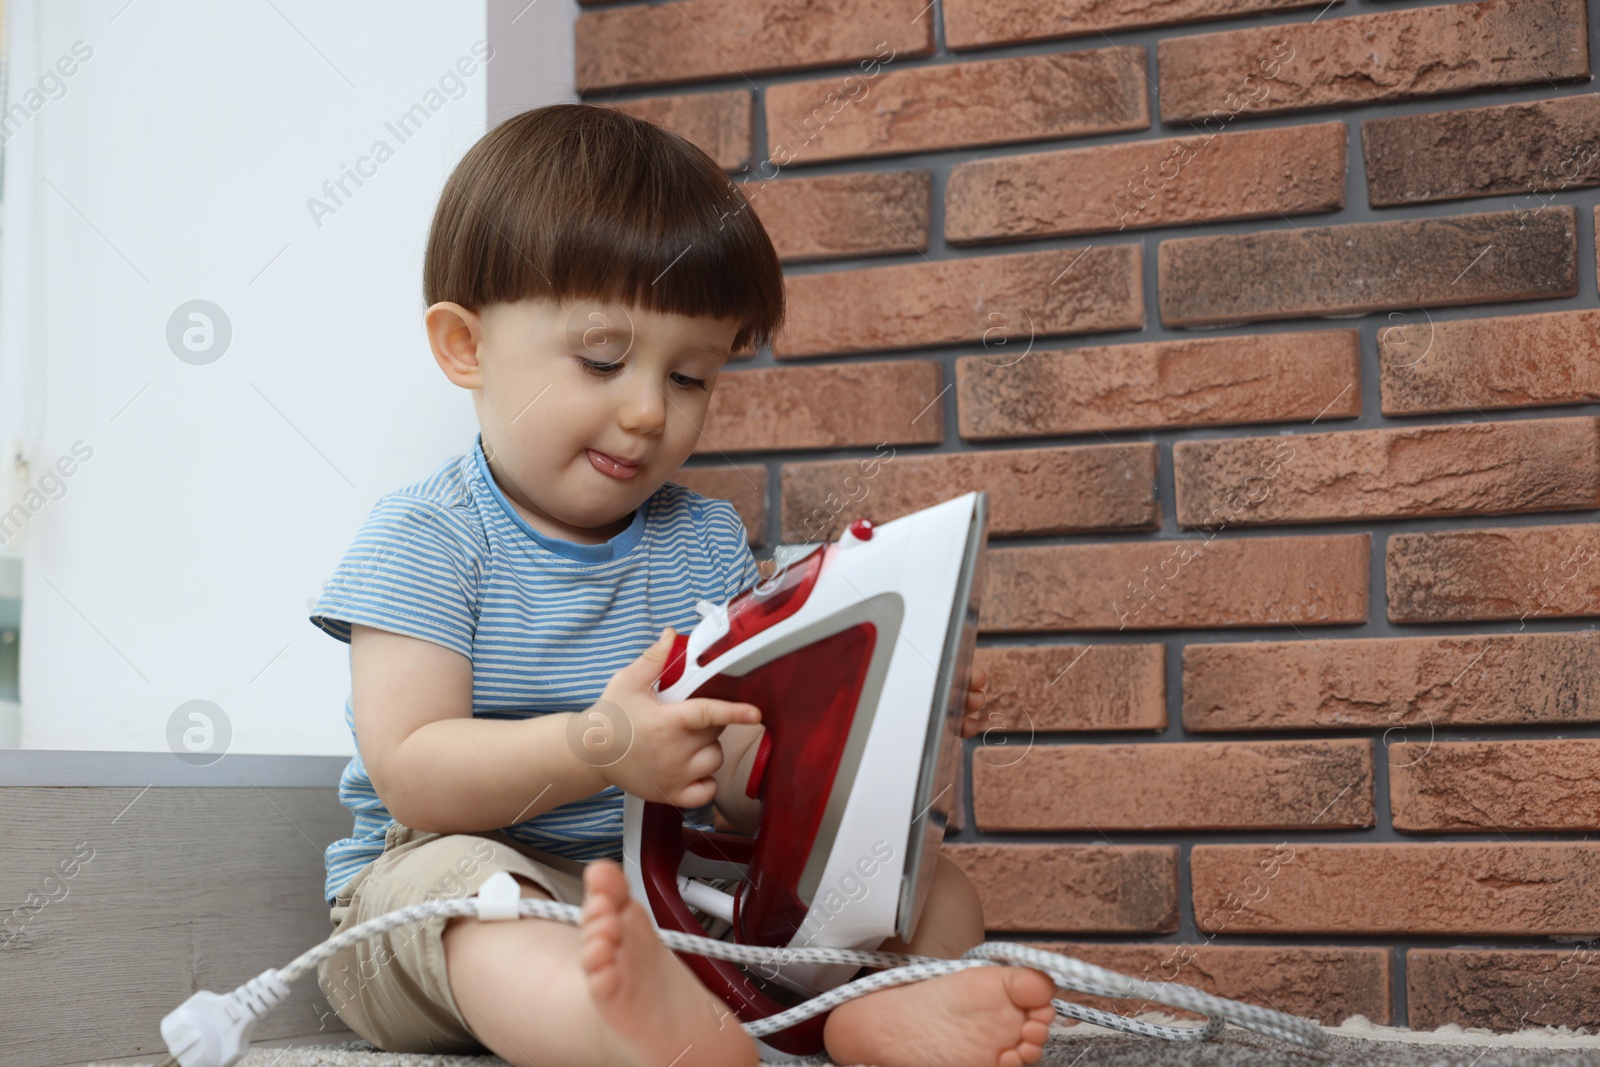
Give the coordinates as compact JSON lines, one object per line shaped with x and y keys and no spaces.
{"x":175,"y":164}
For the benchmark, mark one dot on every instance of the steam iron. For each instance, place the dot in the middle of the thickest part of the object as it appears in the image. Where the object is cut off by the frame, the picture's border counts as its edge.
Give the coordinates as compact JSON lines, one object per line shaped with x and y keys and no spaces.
{"x":857,"y":653}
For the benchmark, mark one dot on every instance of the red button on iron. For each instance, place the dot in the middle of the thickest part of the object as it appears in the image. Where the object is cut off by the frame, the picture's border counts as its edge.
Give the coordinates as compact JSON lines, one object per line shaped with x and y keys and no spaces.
{"x":861,"y":529}
{"x":758,"y":769}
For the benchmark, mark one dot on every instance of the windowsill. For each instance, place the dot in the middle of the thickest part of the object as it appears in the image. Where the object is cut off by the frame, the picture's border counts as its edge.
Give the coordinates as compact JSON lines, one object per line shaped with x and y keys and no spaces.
{"x":86,"y":767}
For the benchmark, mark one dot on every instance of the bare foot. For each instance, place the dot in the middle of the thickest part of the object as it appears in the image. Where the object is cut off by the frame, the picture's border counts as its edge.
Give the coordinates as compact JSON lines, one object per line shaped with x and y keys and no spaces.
{"x":655,"y":1006}
{"x":978,"y":1017}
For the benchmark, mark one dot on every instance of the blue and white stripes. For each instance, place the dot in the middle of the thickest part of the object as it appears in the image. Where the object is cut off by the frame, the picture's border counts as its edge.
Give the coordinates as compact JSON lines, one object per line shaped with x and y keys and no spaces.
{"x":545,"y":622}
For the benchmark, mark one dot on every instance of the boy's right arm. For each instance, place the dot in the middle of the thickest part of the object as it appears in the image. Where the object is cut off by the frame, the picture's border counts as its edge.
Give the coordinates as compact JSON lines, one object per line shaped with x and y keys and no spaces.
{"x":434,"y":766}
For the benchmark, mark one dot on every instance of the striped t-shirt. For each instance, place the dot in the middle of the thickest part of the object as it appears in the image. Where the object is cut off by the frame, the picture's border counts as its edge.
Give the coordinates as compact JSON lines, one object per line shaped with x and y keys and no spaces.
{"x":545,"y":622}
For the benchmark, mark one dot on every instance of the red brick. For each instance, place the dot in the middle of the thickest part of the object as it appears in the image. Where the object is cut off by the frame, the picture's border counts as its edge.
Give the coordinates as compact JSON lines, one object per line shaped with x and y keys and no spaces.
{"x":980,"y":23}
{"x":1503,"y":990}
{"x":1409,"y":684}
{"x":1514,"y":572}
{"x":1211,"y":381}
{"x":1106,"y":687}
{"x":1294,"y":170}
{"x":1031,"y":491}
{"x":693,"y":40}
{"x":1539,"y":147}
{"x":745,"y":485}
{"x":1256,"y":581}
{"x":1365,"y":59}
{"x":1073,"y":888}
{"x":718,"y":123}
{"x":1495,"y":785}
{"x":845,"y":405}
{"x":1062,"y":291}
{"x":1370,"y":266}
{"x":1201,"y":785}
{"x":1474,"y":468}
{"x":1525,"y":888}
{"x":927,"y":108}
{"x":1513,"y":361}
{"x":1328,"y":983}
{"x":844,"y":214}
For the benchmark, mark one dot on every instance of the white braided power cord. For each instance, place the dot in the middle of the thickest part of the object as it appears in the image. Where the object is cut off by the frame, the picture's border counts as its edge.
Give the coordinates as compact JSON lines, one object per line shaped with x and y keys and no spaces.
{"x":193,"y":1030}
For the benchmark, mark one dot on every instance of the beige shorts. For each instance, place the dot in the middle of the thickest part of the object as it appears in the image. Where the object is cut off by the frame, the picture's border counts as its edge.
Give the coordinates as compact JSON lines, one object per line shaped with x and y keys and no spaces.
{"x":392,"y":989}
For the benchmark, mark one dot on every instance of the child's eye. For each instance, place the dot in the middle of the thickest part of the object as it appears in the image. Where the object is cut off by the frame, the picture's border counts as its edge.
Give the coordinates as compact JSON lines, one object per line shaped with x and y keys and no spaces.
{"x":604,"y":370}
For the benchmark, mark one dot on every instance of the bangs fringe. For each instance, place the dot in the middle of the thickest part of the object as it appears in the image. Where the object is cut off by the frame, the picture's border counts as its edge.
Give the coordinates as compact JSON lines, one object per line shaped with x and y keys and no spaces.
{"x":586,"y":202}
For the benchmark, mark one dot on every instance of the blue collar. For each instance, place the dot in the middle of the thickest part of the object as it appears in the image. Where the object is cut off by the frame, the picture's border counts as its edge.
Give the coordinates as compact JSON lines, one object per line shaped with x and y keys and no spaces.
{"x":615,"y":548}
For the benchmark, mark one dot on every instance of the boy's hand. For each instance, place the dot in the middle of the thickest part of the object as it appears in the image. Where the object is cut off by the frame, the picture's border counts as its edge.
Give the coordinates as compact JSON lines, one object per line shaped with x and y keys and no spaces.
{"x":669,"y":751}
{"x":976,"y":682}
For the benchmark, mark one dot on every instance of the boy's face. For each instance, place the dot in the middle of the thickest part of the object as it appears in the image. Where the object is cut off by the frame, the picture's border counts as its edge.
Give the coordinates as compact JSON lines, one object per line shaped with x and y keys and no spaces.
{"x":558,"y":387}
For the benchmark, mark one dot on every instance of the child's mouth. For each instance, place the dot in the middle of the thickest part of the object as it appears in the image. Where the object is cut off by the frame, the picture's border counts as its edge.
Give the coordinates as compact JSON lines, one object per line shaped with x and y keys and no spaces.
{"x":608,"y":466}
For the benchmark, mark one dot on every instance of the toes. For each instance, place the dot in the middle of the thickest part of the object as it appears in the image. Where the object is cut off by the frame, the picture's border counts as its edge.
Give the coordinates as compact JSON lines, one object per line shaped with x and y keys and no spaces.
{"x":597,"y":953}
{"x":605,"y":876}
{"x":1029,"y":988}
{"x":604,"y":932}
{"x":605,"y":978}
{"x":1028,"y":1050}
{"x":605,"y":927}
{"x":597,"y":906}
{"x":599,"y":922}
{"x":605,"y":890}
{"x":598,"y":957}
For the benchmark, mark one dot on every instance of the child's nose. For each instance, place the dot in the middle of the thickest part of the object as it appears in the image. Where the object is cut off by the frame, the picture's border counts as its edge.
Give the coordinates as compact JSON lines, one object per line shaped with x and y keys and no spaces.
{"x":645,"y":407}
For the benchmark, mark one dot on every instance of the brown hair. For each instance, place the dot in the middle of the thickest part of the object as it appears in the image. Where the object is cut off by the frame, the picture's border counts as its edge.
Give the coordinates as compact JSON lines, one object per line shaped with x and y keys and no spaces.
{"x":584,"y":201}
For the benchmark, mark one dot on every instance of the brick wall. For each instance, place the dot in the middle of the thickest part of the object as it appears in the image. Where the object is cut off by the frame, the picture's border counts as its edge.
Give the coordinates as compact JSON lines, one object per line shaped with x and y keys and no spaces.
{"x":1270,"y":329}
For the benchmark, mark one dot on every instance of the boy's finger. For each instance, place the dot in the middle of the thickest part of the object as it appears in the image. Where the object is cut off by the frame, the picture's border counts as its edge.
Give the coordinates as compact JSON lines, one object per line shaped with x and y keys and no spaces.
{"x":705,"y":713}
{"x":707,"y":783}
{"x":647,"y":667}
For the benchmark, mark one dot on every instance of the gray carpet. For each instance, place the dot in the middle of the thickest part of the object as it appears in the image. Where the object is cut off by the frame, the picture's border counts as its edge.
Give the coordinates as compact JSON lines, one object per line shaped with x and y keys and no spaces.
{"x":1355,"y":1043}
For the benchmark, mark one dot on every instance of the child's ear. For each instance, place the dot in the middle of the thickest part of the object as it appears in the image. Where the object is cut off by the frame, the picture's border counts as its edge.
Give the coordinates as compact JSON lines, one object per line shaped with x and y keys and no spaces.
{"x":454,"y":334}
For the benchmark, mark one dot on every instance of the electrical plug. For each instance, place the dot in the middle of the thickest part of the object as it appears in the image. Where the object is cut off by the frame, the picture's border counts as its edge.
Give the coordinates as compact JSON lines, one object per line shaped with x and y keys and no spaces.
{"x":211,"y":1030}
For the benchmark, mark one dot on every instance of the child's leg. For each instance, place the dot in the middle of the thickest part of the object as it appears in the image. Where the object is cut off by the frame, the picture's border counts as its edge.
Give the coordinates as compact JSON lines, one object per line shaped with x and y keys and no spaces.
{"x":952,"y":917}
{"x":998,"y":1015}
{"x":541,"y":992}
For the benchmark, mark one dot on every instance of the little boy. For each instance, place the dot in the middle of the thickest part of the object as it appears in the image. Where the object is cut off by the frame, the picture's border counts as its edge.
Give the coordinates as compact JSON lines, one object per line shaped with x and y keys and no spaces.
{"x":588,"y":274}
